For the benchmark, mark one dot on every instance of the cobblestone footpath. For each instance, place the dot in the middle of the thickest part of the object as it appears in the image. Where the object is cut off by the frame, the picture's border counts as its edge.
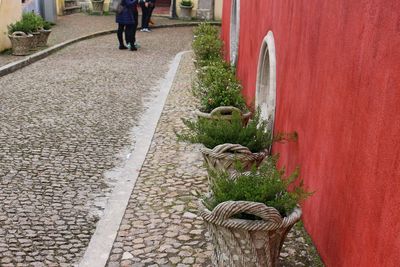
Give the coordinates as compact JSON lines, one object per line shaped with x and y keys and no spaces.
{"x":160,"y":226}
{"x":77,"y":25}
{"x":63,"y":121}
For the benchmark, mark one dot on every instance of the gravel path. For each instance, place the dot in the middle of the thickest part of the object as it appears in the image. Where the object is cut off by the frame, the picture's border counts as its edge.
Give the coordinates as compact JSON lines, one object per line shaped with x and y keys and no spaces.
{"x":63,"y":121}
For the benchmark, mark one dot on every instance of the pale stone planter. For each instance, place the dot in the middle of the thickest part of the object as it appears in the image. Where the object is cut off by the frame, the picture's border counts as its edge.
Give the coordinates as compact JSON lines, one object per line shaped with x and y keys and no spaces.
{"x":186,"y":12}
{"x":97,"y":6}
{"x":225,"y":156}
{"x":21,"y":43}
{"x":225,"y":113}
{"x":247,"y":243}
{"x":44,"y":36}
{"x":35,"y":40}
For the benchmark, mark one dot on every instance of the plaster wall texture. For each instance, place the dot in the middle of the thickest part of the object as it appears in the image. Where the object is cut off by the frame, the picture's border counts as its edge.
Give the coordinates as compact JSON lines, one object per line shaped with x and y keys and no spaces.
{"x":10,"y":12}
{"x":338,"y":77}
{"x":218,"y":9}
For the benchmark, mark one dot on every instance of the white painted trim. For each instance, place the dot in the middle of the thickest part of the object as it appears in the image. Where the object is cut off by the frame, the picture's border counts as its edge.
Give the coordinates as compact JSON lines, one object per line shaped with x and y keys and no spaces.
{"x":101,"y":243}
{"x":266,"y":89}
{"x":234,"y":31}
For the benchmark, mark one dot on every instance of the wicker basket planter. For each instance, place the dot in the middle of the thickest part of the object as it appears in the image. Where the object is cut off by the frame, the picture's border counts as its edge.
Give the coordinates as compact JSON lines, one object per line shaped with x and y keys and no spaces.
{"x":21,"y":43}
{"x":97,"y":6}
{"x":247,"y":243}
{"x":44,"y":36}
{"x":224,"y":112}
{"x":35,"y":40}
{"x":224,"y":157}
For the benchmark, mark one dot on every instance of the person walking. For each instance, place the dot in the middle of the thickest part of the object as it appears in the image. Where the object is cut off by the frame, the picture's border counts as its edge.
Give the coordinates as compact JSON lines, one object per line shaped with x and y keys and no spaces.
{"x":147,"y":7}
{"x":126,"y":23}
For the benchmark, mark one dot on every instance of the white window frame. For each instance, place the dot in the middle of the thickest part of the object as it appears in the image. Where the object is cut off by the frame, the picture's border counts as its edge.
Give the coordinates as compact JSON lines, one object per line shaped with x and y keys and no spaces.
{"x":266,"y":79}
{"x":234,"y":32}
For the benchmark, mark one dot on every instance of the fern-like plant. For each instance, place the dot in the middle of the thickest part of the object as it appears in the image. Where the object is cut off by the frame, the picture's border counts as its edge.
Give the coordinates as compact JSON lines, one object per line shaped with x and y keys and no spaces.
{"x":267,"y":185}
{"x":256,"y":135}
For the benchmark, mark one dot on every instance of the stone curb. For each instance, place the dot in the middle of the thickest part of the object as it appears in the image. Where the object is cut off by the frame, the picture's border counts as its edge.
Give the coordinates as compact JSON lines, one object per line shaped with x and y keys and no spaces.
{"x":14,"y":66}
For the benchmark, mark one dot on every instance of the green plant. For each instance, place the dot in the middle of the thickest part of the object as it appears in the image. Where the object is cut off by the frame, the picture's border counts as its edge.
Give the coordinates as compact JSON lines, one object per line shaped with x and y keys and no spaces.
{"x":47,"y":25}
{"x":35,"y":21}
{"x":218,"y":86}
{"x":187,"y":3}
{"x":205,"y":28}
{"x":256,"y":135}
{"x":207,"y":48}
{"x":20,"y":26}
{"x":265,"y":185}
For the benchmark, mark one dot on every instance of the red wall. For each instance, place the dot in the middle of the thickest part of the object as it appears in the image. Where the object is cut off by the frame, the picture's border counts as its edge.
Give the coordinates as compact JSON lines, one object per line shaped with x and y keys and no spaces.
{"x":338,"y":86}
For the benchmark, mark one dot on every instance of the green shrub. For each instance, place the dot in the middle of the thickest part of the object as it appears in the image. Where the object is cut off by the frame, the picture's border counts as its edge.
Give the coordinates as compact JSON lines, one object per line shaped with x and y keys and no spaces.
{"x":187,"y":3}
{"x":20,"y":26}
{"x":47,"y":25}
{"x":205,"y":28}
{"x":35,"y":21}
{"x":256,"y":135}
{"x":207,"y":48}
{"x":266,"y":185}
{"x":218,"y":86}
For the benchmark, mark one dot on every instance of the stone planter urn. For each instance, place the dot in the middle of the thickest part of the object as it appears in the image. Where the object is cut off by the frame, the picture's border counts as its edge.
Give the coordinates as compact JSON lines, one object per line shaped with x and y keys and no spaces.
{"x":97,"y":6}
{"x":225,"y":156}
{"x":186,"y":12}
{"x":225,"y":113}
{"x":35,"y":40}
{"x":44,"y":36}
{"x":247,"y":243}
{"x":21,"y":43}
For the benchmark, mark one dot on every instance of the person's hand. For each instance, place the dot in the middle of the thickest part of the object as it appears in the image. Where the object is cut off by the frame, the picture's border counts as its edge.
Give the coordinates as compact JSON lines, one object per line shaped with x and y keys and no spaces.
{"x":146,"y":4}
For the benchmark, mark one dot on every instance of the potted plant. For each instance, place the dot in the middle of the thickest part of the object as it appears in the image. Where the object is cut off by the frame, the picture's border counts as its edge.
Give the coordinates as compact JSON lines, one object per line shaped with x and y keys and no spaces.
{"x":227,"y":142}
{"x":36,"y":23}
{"x":97,"y":6}
{"x":220,"y":92}
{"x":186,"y":9}
{"x":20,"y":38}
{"x":249,"y":216}
{"x":44,"y":34}
{"x":207,"y":45}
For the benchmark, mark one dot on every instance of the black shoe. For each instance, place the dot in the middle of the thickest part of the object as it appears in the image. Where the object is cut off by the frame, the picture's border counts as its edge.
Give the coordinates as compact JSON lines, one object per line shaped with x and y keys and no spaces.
{"x":133,"y":48}
{"x":122,"y":47}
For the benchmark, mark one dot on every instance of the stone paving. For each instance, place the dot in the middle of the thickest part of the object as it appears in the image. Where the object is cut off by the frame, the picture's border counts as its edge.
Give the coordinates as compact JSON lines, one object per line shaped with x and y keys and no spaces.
{"x":63,"y":122}
{"x":160,"y":226}
{"x":80,"y":24}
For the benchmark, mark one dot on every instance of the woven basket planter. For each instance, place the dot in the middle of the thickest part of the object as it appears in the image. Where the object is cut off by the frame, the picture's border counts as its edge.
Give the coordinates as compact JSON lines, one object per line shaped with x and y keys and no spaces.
{"x":21,"y":43}
{"x":247,"y":243}
{"x":224,"y":157}
{"x":225,"y":113}
{"x":44,"y":36}
{"x":35,"y":40}
{"x":98,"y":6}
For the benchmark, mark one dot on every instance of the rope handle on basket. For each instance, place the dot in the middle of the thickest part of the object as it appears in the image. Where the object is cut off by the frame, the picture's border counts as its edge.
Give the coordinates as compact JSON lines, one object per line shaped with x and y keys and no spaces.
{"x":271,"y":219}
{"x":233,"y":148}
{"x":224,"y":110}
{"x":228,"y":209}
{"x":18,"y":33}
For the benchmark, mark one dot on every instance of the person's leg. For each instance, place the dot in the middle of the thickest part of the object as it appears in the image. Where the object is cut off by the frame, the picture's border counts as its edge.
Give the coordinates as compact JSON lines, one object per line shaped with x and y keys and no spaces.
{"x":144,"y":15}
{"x":130,"y":40}
{"x":119,"y":35}
{"x":135,"y":20}
{"x":150,"y":13}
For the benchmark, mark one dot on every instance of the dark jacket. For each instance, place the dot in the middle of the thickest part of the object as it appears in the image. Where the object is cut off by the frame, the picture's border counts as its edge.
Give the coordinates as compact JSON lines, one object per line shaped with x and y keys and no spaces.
{"x":127,"y":15}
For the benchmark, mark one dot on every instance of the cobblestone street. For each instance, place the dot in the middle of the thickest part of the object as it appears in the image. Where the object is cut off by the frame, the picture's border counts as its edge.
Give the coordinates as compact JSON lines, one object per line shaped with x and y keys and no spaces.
{"x":63,"y":121}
